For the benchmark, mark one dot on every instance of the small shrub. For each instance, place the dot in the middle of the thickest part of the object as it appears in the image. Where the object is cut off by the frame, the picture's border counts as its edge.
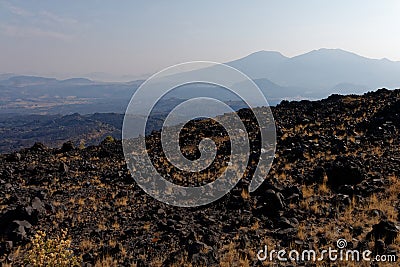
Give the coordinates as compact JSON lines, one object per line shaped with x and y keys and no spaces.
{"x":51,"y":251}
{"x":82,"y":144}
{"x":109,"y":139}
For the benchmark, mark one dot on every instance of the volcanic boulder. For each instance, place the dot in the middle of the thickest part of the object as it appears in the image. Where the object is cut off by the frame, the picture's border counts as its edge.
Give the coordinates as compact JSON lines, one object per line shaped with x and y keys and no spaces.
{"x":344,"y":171}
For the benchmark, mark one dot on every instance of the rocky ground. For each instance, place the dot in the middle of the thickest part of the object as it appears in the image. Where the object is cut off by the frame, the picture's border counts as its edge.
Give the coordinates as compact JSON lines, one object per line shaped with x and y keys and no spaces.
{"x":335,"y":175}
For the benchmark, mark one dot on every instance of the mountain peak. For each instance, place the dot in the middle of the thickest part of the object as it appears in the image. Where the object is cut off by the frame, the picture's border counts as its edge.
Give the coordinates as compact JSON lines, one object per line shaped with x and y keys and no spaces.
{"x":329,"y":51}
{"x":266,"y":53}
{"x":258,"y":63}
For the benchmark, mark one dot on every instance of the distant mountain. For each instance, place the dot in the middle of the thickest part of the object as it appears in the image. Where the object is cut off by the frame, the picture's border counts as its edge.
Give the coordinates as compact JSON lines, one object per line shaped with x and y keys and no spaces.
{"x":313,"y":75}
{"x":77,"y":81}
{"x":27,"y":80}
{"x":259,"y":64}
{"x":78,"y":87}
{"x":321,"y":72}
{"x":325,"y":68}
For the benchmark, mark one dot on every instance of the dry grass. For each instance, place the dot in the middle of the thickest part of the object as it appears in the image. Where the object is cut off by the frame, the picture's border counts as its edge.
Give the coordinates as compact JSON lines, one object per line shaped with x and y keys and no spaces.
{"x":107,"y":261}
{"x":245,"y":193}
{"x":121,"y":202}
{"x":355,"y":215}
{"x":231,"y":257}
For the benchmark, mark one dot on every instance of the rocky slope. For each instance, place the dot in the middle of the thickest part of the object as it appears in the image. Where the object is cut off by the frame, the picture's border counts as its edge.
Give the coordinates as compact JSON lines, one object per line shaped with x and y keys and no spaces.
{"x":335,"y":175}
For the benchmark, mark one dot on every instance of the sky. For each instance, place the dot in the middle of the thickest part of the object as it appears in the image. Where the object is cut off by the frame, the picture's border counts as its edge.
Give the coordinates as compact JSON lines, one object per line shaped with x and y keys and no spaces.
{"x":127,"y":39}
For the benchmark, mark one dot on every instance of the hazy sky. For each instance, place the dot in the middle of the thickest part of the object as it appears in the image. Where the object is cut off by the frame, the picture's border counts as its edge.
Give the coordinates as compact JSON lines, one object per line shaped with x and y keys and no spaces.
{"x":71,"y":38}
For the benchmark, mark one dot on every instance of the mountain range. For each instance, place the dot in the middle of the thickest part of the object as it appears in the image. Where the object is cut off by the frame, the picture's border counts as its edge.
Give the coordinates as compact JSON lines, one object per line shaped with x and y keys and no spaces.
{"x":312,"y":75}
{"x":320,"y":72}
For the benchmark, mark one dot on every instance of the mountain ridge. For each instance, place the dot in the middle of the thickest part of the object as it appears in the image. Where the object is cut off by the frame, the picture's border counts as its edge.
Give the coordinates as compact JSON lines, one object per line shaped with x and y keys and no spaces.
{"x":312,"y":75}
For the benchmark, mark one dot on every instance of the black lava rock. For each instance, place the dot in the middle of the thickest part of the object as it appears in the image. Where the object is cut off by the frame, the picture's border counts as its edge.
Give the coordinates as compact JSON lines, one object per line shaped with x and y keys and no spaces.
{"x":344,"y":171}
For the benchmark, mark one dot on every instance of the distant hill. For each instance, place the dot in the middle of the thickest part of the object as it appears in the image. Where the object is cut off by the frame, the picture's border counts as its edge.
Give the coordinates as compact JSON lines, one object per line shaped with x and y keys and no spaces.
{"x":18,"y":131}
{"x":77,"y":81}
{"x":23,"y":130}
{"x":27,"y":81}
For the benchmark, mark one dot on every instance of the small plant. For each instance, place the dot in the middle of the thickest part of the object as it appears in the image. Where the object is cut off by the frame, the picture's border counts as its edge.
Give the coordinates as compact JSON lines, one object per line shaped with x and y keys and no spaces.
{"x":245,"y":193}
{"x":51,"y":251}
{"x":82,"y":144}
{"x":109,"y":139}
